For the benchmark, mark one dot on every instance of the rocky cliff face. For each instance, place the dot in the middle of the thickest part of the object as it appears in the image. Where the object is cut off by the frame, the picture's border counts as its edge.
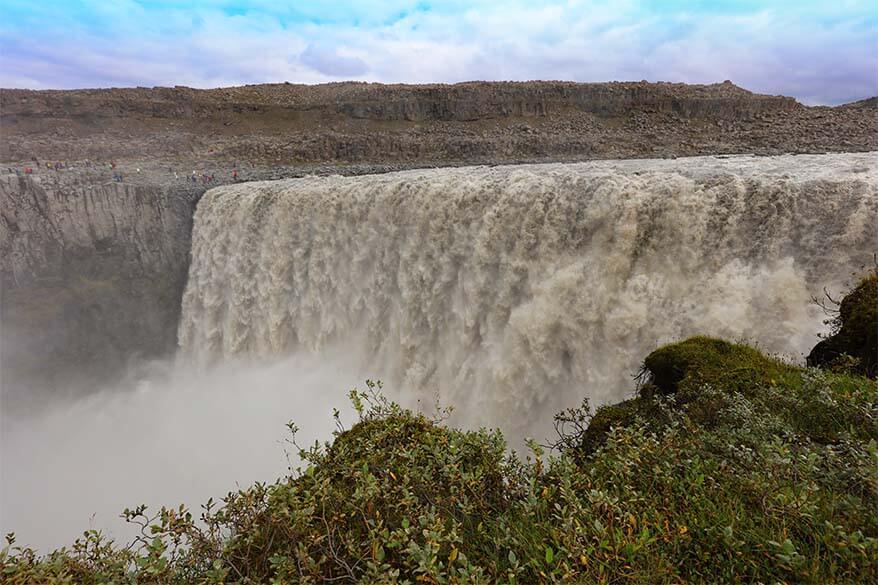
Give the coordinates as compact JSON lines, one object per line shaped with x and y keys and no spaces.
{"x":465,"y":122}
{"x":474,"y":101}
{"x":92,"y":276}
{"x":374,"y":101}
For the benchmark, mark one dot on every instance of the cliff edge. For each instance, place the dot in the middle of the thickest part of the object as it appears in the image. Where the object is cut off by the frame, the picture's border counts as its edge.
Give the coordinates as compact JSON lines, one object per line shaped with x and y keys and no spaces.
{"x":422,"y":124}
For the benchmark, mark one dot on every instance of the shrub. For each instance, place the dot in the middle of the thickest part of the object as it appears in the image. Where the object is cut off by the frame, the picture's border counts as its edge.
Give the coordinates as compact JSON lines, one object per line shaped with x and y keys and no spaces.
{"x":748,"y":470}
{"x":397,"y":495}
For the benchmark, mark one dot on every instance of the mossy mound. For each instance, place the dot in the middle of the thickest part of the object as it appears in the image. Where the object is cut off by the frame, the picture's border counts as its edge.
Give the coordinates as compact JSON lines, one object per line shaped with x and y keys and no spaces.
{"x":854,"y":343}
{"x":681,"y":368}
{"x":705,"y":377}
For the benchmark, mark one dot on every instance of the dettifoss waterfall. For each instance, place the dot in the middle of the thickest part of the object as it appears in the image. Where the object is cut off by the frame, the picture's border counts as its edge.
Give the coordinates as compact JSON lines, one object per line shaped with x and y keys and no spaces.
{"x":509,"y":293}
{"x":513,"y":291}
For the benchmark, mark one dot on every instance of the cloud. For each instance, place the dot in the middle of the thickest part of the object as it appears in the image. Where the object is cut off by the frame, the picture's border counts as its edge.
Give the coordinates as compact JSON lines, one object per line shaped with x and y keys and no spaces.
{"x":330,"y":62}
{"x":816,"y":51}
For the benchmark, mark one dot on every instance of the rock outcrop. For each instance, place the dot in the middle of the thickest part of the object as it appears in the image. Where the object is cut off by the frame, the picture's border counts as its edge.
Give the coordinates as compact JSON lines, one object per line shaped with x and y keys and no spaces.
{"x":375,"y":101}
{"x":477,"y":101}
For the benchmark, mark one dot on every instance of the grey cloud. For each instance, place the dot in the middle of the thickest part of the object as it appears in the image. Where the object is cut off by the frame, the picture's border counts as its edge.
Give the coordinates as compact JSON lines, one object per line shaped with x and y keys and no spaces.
{"x":329,"y":62}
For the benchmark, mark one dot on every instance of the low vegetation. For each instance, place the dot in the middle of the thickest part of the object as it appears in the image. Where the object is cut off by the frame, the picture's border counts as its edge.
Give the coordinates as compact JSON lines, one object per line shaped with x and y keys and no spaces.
{"x":726,"y":466}
{"x":853,"y":344}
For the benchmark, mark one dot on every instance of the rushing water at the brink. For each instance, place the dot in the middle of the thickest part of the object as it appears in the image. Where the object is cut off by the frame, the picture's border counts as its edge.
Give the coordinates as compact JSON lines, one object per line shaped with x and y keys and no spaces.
{"x":513,"y":291}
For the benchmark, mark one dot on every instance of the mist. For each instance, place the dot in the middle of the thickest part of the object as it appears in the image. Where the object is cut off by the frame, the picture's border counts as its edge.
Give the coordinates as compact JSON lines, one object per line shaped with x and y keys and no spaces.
{"x":183,"y":434}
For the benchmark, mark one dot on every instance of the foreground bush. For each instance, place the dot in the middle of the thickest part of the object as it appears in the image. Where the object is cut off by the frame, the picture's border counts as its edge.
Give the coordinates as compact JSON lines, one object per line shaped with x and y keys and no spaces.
{"x":708,"y":479}
{"x":853,"y":344}
{"x":727,"y":466}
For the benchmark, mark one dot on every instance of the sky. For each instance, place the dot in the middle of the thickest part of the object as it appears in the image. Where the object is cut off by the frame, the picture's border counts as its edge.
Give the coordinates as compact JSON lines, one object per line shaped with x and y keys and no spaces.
{"x":820,"y":52}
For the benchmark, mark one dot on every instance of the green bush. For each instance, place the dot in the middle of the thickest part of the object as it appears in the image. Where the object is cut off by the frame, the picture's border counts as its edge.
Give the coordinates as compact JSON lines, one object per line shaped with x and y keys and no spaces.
{"x":747,"y":470}
{"x":853,"y":345}
{"x":396,"y":495}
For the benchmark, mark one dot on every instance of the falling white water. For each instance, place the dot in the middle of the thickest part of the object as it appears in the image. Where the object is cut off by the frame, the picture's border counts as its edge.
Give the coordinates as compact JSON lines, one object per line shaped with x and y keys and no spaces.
{"x":514,"y":291}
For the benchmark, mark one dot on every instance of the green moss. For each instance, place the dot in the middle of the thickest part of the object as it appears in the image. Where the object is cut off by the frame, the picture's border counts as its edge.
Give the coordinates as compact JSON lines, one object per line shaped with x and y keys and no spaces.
{"x":854,"y":344}
{"x":706,"y":378}
{"x":681,"y":368}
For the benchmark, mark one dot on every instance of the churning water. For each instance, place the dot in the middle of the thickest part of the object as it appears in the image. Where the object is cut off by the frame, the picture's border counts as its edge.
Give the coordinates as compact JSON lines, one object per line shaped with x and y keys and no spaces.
{"x":513,"y":291}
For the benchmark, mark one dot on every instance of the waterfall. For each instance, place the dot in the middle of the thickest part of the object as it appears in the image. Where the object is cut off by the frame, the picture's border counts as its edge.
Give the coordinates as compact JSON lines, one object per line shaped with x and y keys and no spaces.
{"x":513,"y":291}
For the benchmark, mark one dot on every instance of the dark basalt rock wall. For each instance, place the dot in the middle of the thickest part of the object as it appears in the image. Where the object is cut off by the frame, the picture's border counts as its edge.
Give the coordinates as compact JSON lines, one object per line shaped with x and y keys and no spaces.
{"x":470,"y":102}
